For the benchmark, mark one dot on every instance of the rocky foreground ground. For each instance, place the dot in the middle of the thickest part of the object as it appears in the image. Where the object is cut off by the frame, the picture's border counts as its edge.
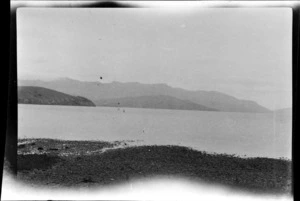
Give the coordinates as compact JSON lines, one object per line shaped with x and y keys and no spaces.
{"x":94,"y":163}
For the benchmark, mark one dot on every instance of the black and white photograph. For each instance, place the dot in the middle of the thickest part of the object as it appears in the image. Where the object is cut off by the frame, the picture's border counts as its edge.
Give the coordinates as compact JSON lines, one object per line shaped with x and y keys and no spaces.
{"x":154,"y":102}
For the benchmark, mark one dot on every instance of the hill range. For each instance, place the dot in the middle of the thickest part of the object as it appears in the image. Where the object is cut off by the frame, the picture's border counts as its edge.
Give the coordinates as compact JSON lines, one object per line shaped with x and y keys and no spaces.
{"x":135,"y":94}
{"x":43,"y":96}
{"x":157,"y":102}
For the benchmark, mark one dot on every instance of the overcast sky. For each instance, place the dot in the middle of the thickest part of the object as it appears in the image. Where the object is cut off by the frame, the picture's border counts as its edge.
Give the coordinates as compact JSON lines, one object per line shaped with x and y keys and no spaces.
{"x":243,"y":52}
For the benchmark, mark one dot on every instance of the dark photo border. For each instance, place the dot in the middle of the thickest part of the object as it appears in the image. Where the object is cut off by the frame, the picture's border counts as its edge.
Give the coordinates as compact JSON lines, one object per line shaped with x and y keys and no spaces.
{"x":9,"y":142}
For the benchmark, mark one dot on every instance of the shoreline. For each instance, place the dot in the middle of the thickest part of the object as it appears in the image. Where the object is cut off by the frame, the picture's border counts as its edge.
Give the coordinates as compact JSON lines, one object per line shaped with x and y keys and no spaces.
{"x":68,"y":163}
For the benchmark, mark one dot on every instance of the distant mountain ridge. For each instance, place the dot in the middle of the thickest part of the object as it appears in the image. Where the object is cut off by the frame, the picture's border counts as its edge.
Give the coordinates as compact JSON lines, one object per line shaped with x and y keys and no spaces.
{"x":288,"y":109}
{"x":96,"y":91}
{"x":44,"y":96}
{"x":154,"y":102}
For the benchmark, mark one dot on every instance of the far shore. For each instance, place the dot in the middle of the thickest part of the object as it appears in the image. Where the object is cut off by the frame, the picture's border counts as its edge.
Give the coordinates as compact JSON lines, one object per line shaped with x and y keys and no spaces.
{"x":53,"y":162}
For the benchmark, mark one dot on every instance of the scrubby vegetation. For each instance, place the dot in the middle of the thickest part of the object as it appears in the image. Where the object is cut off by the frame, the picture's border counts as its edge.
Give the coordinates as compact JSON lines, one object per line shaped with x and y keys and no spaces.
{"x":89,"y":163}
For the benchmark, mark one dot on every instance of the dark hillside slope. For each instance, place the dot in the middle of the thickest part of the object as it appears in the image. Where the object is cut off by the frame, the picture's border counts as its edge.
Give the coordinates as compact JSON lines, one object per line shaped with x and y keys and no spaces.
{"x":155,"y":102}
{"x":43,"y":96}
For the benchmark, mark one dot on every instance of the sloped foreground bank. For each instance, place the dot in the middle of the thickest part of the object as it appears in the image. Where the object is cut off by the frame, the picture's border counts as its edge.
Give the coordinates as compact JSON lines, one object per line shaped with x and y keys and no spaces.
{"x":94,"y":163}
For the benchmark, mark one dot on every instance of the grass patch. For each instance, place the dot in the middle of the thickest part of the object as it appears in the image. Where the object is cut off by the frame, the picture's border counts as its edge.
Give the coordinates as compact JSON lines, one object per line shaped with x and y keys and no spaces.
{"x":259,"y":175}
{"x":33,"y":161}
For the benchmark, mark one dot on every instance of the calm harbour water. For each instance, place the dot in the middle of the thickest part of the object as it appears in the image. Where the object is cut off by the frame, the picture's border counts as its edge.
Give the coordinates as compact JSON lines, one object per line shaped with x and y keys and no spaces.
{"x":250,"y":134}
